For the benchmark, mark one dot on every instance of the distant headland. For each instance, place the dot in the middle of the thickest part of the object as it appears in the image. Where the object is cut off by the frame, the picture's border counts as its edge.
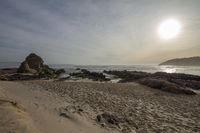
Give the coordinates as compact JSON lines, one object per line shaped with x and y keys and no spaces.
{"x":191,"y":61}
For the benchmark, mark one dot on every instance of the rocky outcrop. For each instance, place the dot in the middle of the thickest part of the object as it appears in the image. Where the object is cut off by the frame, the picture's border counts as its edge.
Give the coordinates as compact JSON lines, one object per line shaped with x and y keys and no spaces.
{"x":31,"y":69}
{"x":165,"y":86}
{"x":177,"y":83}
{"x":128,"y":76}
{"x":32,"y":64}
{"x":95,"y":76}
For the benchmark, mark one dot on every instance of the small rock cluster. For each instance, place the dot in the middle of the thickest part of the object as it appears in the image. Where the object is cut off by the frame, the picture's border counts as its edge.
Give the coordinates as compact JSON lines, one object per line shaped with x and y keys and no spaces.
{"x":69,"y":111}
{"x":113,"y":121}
{"x":108,"y":118}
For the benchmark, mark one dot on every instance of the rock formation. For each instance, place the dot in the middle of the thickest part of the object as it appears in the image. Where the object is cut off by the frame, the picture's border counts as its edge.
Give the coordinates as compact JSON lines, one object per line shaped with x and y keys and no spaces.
{"x":177,"y":83}
{"x":95,"y":76}
{"x":32,"y":64}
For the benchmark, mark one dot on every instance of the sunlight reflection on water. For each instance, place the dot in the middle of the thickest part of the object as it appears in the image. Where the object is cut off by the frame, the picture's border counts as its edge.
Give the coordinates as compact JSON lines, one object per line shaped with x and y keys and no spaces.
{"x":168,"y":69}
{"x":195,"y":70}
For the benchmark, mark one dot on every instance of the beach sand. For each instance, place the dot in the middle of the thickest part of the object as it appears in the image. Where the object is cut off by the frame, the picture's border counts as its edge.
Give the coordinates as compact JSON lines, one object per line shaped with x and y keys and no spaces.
{"x":73,"y":107}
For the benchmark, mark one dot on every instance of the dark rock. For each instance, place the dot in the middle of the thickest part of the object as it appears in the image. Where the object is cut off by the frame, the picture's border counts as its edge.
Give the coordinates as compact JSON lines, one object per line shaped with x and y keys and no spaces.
{"x":165,"y":86}
{"x":90,"y":75}
{"x":108,"y":118}
{"x":187,"y":83}
{"x":78,"y":69}
{"x":47,"y":73}
{"x":128,"y":76}
{"x":183,"y":80}
{"x":102,"y":124}
{"x":172,"y":82}
{"x":8,"y":71}
{"x":99,"y":118}
{"x":59,"y":71}
{"x":32,"y":64}
{"x":170,"y":76}
{"x":18,"y":76}
{"x":80,"y":110}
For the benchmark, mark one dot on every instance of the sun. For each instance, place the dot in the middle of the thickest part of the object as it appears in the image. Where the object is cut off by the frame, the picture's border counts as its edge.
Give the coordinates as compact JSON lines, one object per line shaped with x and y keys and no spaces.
{"x":169,"y":29}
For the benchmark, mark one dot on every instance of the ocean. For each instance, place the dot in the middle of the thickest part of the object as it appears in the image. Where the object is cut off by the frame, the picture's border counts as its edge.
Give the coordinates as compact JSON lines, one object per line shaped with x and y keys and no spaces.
{"x":145,"y":68}
{"x":194,"y":70}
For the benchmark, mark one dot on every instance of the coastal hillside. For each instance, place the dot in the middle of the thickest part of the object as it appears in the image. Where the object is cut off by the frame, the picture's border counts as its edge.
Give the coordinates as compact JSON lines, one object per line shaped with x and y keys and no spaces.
{"x":191,"y":61}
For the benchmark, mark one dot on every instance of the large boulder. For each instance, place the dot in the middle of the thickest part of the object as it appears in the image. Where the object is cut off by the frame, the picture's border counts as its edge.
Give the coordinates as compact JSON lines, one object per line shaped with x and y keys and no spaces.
{"x":32,"y":64}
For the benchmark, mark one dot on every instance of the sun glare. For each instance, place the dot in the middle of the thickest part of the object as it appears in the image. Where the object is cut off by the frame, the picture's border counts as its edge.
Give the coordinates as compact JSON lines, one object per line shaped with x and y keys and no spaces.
{"x":169,"y":29}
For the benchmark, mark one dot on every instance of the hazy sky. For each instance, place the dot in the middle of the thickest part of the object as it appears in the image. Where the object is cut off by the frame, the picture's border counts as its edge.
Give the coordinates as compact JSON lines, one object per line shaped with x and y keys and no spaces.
{"x":97,"y":31}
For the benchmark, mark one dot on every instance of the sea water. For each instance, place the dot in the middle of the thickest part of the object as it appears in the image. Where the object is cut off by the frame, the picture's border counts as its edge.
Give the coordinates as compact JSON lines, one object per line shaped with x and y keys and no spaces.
{"x":194,"y":70}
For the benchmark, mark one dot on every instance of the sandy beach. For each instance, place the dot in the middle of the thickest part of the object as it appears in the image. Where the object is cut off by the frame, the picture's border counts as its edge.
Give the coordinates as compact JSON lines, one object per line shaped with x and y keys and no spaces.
{"x":99,"y":66}
{"x":83,"y":107}
{"x":39,"y":111}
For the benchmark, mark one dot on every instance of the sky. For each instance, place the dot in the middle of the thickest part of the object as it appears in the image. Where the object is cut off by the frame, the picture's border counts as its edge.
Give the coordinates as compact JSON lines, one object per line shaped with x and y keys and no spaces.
{"x":97,"y":32}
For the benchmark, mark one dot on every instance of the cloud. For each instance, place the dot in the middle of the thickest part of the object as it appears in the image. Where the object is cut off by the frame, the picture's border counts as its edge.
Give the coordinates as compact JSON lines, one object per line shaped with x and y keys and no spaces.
{"x":90,"y":31}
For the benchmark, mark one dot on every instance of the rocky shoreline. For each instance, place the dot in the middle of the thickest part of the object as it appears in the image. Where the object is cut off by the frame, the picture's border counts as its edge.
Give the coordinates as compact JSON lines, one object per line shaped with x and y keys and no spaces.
{"x":140,"y":102}
{"x":33,"y":68}
{"x":170,"y":82}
